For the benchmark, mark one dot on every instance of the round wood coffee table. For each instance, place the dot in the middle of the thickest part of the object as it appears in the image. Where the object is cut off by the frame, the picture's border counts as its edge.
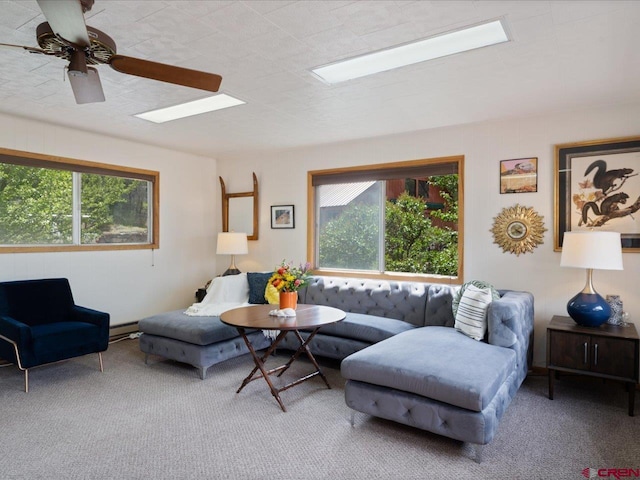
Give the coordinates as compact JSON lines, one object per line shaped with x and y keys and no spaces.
{"x":308,"y":317}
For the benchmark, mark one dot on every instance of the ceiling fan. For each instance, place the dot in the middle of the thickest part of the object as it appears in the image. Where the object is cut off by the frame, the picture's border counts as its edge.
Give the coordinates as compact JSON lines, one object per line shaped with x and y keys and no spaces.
{"x":65,"y":35}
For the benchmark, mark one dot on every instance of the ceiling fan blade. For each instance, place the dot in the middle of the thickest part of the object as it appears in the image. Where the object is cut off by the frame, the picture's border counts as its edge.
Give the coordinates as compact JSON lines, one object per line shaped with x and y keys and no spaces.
{"x":28,"y":49}
{"x":87,"y":89}
{"x":166,"y":73}
{"x":66,"y":19}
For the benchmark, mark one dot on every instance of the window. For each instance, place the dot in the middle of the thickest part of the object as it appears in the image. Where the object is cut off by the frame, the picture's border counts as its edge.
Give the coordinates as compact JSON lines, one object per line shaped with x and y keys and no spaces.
{"x":397,"y":220}
{"x":58,"y":204}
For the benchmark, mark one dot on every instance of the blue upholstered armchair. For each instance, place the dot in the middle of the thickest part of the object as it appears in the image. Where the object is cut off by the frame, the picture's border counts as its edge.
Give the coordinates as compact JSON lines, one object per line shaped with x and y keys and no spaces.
{"x":40,"y":323}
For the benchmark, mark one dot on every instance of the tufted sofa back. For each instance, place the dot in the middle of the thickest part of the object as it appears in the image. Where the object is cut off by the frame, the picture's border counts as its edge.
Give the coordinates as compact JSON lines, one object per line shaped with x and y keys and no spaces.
{"x":417,"y":303}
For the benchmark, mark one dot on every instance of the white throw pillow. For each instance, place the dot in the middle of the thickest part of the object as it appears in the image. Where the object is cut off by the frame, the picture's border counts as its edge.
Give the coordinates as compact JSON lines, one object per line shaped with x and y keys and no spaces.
{"x":476,"y":283}
{"x":471,"y":317}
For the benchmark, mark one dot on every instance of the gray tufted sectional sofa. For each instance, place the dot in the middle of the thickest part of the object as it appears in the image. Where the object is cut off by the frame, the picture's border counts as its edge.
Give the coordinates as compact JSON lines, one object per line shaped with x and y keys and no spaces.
{"x":404,"y":361}
{"x":198,"y":341}
{"x":401,"y":357}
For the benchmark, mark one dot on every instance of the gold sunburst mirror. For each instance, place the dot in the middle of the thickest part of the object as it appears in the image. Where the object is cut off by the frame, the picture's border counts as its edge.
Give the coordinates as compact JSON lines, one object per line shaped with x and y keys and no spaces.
{"x":518,"y":229}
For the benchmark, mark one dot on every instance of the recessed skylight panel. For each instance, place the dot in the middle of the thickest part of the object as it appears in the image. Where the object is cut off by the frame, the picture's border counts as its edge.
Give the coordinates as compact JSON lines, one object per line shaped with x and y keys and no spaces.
{"x":450,"y":43}
{"x":196,"y":107}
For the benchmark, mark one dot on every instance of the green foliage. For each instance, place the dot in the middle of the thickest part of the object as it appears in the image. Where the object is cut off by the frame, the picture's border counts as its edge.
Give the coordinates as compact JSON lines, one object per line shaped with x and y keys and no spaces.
{"x":413,"y":244}
{"x":100,"y":195}
{"x":351,"y":240}
{"x":407,"y":235}
{"x":442,"y":257}
{"x":443,"y":251}
{"x":448,"y":185}
{"x":135,"y":208}
{"x":35,"y":205}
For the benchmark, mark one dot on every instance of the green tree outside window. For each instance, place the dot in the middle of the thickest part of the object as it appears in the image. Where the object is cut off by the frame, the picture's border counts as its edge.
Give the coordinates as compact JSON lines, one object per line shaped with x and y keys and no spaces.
{"x":414,"y":242}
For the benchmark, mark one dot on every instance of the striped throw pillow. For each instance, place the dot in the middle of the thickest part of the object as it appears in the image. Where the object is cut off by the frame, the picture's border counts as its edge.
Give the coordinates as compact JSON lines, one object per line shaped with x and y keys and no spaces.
{"x":471,"y":317}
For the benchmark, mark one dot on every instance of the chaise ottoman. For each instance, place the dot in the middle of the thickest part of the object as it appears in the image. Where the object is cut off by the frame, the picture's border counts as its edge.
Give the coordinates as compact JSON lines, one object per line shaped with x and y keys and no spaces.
{"x":195,"y":340}
{"x":435,"y":379}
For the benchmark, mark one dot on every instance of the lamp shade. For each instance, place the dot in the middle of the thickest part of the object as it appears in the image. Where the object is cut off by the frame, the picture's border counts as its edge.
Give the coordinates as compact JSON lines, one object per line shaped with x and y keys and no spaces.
{"x":596,"y":250}
{"x":590,"y":250}
{"x":232,"y":243}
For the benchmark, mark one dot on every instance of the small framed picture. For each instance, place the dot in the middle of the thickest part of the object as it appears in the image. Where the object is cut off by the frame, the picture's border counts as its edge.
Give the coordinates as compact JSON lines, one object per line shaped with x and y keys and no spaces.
{"x":282,"y":216}
{"x":519,"y":175}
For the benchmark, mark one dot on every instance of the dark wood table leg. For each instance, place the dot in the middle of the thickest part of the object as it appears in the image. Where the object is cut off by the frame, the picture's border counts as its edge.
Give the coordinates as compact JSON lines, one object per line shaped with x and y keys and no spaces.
{"x":632,"y":397}
{"x":264,"y":373}
{"x":304,"y":347}
{"x":266,"y":355}
{"x":260,"y":365}
{"x":297,"y":353}
{"x":551,"y":377}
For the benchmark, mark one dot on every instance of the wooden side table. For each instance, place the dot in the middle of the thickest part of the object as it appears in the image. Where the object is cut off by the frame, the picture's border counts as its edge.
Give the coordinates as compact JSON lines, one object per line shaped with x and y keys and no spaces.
{"x":608,"y":351}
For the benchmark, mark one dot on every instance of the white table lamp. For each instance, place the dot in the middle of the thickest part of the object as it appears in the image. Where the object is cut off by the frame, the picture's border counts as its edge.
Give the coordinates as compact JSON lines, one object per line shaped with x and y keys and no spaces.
{"x":232,"y":243}
{"x":590,"y":250}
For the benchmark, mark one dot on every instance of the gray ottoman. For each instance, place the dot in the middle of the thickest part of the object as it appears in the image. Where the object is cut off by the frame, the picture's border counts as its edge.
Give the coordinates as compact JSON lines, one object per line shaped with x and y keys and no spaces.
{"x":198,"y":341}
{"x":435,"y":379}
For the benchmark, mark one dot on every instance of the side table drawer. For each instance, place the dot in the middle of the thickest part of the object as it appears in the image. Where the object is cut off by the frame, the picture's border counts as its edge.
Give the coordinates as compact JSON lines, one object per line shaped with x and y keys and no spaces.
{"x":613,"y":356}
{"x":569,"y":350}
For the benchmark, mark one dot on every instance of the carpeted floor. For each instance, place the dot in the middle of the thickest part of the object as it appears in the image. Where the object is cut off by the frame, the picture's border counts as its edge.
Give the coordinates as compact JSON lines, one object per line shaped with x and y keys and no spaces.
{"x":161,"y":421}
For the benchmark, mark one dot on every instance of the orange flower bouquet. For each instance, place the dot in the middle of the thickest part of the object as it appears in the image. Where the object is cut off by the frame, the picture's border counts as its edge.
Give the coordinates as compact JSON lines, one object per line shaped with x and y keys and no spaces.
{"x":286,"y":278}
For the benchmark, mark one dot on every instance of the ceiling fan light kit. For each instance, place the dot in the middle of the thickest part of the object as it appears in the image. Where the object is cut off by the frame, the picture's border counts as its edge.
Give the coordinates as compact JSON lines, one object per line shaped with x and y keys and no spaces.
{"x":87,"y":89}
{"x":65,"y":35}
{"x":78,"y":64}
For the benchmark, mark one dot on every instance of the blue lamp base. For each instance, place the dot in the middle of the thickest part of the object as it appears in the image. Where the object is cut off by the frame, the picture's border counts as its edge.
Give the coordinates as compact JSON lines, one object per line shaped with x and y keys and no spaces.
{"x":589,"y":309}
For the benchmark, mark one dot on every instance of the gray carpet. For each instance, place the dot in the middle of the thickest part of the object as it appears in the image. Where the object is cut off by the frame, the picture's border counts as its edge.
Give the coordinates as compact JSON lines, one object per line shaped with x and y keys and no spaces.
{"x":162,"y":422}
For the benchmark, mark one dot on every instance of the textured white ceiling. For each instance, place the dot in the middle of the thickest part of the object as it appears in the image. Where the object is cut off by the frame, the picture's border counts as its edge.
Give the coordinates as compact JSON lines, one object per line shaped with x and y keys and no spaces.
{"x":564,"y":55}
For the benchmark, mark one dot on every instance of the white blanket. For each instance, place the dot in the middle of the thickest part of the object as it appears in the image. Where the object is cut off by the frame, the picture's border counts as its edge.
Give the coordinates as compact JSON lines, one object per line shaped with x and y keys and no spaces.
{"x":224,"y":293}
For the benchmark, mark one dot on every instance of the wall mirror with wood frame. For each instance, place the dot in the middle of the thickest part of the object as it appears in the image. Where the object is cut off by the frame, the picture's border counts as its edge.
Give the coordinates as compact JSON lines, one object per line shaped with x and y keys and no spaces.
{"x":240,"y":210}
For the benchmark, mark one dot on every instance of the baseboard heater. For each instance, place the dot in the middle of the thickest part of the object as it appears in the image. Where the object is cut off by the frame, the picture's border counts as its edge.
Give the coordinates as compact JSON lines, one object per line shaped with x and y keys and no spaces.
{"x":122,"y":329}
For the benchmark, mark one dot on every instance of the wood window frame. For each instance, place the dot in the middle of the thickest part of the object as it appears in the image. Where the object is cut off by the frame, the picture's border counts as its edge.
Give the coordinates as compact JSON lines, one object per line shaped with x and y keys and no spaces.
{"x":30,"y":159}
{"x":381,"y":172}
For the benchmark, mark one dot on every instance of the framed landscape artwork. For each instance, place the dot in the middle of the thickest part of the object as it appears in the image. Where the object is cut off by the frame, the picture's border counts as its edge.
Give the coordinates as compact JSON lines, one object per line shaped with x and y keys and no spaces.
{"x":519,"y":175}
{"x":597,"y":187}
{"x":282,"y":216}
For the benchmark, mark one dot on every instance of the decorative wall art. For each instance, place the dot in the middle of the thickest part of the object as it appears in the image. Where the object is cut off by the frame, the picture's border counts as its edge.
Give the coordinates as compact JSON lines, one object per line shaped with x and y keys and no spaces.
{"x":597,"y":187}
{"x":518,"y":229}
{"x":519,"y":175}
{"x":282,"y":216}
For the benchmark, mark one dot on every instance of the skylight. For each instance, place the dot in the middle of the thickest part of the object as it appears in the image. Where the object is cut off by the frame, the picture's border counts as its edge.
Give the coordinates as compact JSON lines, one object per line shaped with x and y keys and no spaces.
{"x":196,"y":107}
{"x":449,"y":43}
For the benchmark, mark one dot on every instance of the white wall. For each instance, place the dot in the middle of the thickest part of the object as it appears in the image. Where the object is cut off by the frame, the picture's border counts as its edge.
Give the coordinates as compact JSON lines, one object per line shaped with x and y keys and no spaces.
{"x":135,"y":283}
{"x":282,"y":179}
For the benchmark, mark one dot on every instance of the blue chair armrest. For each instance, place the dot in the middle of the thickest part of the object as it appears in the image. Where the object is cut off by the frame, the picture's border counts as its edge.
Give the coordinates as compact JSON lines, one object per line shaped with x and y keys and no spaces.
{"x":14,"y":330}
{"x":95,"y":317}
